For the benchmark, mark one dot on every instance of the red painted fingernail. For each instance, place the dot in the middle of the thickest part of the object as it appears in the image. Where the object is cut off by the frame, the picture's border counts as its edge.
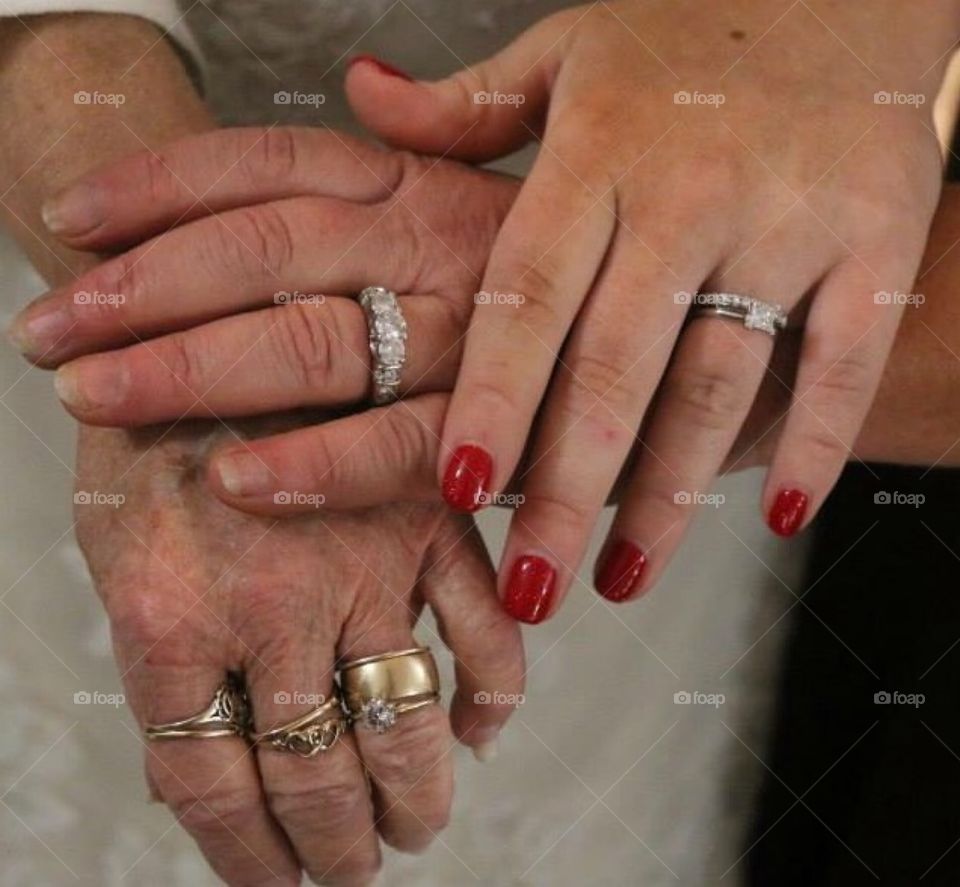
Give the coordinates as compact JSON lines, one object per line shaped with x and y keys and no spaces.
{"x":530,"y":589}
{"x":466,"y":482}
{"x":620,"y":570}
{"x":384,"y":67}
{"x":787,"y":513}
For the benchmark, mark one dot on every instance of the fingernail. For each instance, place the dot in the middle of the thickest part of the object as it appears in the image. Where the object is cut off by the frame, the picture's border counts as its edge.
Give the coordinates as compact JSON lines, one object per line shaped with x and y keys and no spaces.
{"x":620,"y":570}
{"x":466,"y":482}
{"x":93,"y":384}
{"x":76,"y":210}
{"x":487,"y":751}
{"x":243,"y":474}
{"x":384,"y":67}
{"x":530,"y":589}
{"x":38,"y":333}
{"x":788,"y":511}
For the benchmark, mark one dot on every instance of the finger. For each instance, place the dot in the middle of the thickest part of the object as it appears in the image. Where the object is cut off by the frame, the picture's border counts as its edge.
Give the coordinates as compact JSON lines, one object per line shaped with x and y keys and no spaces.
{"x":322,"y":803}
{"x":212,"y":786}
{"x":136,"y":197}
{"x":848,"y":336}
{"x":282,"y":358}
{"x":459,"y":584}
{"x":372,"y":458}
{"x":244,"y":258}
{"x":608,"y":373}
{"x":704,"y":400}
{"x":409,"y":765}
{"x":548,"y":252}
{"x":481,"y":112}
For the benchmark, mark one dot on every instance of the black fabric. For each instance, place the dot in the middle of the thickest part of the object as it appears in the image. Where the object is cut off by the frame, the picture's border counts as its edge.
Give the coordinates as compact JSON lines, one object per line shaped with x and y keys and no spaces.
{"x":880,"y":783}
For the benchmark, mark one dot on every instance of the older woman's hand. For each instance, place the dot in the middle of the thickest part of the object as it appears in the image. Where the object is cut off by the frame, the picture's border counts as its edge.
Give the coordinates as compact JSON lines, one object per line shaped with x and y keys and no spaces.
{"x":778,"y":150}
{"x":194,"y":589}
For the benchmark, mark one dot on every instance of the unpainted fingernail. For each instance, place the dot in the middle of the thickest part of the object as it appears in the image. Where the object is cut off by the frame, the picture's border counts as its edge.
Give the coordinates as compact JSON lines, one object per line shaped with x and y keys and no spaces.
{"x":39,"y":333}
{"x":76,"y":210}
{"x":243,"y":474}
{"x":485,"y":752}
{"x":92,"y":384}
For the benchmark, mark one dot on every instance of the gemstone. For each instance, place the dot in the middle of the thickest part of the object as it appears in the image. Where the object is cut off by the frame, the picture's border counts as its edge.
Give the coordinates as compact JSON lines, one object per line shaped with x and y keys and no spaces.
{"x":380,"y":300}
{"x":391,"y":350}
{"x":389,"y":325}
{"x":379,"y":715}
{"x":761,"y":317}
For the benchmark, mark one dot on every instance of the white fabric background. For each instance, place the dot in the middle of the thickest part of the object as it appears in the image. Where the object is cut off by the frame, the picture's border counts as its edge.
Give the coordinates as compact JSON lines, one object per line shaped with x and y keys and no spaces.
{"x":675,"y":782}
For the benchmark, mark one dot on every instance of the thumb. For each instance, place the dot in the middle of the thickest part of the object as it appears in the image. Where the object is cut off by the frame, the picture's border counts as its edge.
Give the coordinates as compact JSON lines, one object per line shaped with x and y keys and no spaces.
{"x":481,"y":112}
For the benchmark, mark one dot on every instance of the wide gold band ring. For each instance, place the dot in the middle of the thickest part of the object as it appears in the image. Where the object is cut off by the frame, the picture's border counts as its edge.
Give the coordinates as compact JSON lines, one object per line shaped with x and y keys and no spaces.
{"x":310,"y":734}
{"x":227,"y":715}
{"x":377,"y":689}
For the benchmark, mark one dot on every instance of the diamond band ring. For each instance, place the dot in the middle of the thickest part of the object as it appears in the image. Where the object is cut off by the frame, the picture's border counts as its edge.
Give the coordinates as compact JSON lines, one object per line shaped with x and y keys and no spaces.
{"x":755,"y":314}
{"x":388,"y":340}
{"x":377,"y":689}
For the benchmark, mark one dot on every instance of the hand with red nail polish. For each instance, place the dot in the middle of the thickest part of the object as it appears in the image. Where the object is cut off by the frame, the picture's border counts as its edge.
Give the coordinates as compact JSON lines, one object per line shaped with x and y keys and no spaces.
{"x":664,"y":172}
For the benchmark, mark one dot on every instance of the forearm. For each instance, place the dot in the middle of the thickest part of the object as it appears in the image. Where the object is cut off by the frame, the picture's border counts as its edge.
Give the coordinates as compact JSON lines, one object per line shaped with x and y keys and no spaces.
{"x":916,"y":416}
{"x":49,"y":140}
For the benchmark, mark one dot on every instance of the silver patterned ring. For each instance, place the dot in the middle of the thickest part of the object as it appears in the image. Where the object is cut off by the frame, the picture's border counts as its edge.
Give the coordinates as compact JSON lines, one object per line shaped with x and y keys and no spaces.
{"x":755,"y":314}
{"x":388,"y":340}
{"x":228,"y":714}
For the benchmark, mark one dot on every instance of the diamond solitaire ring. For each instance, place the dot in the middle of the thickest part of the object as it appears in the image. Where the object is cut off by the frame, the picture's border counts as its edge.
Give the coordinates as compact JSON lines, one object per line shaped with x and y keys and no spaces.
{"x":377,"y":689}
{"x":388,"y":340}
{"x":755,"y":314}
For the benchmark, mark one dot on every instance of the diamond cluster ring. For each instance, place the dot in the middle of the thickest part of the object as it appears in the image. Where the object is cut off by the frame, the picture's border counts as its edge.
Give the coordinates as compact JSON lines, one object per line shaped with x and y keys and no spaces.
{"x":755,"y":314}
{"x":388,"y":340}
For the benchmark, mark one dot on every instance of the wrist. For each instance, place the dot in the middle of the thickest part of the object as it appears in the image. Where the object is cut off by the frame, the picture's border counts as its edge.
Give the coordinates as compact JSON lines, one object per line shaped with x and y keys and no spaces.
{"x":56,"y":138}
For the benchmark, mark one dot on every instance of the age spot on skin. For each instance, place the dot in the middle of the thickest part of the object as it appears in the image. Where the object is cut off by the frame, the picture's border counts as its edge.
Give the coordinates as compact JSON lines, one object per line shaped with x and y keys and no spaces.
{"x":737,"y":35}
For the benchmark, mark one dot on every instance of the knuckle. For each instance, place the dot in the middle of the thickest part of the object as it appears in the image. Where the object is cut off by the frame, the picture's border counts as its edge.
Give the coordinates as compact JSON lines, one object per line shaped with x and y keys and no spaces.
{"x":335,"y":802}
{"x":161,"y":183}
{"x":539,"y":282}
{"x":711,"y":397}
{"x":556,"y":510}
{"x":123,"y":275}
{"x":822,"y":445}
{"x":659,"y":496}
{"x":410,"y":443}
{"x":265,"y":238}
{"x":215,"y":812}
{"x":414,"y":750}
{"x":277,"y":155}
{"x":849,"y":378}
{"x":598,"y":391}
{"x":183,"y":363}
{"x":307,"y":345}
{"x":466,"y":83}
{"x":490,"y":399}
{"x":409,"y":259}
{"x":141,"y":620}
